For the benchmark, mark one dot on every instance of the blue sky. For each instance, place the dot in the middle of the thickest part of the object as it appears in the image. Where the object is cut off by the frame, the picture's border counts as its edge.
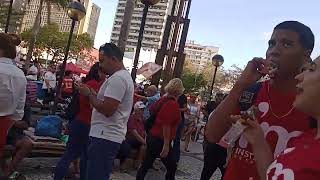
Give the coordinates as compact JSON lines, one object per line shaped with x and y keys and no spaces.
{"x":241,"y":28}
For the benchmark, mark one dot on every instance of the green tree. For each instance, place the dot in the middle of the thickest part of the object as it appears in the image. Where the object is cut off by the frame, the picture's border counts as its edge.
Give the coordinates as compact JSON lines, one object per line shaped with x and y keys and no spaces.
{"x":37,"y":23}
{"x":15,"y":19}
{"x":54,"y":42}
{"x":225,"y":78}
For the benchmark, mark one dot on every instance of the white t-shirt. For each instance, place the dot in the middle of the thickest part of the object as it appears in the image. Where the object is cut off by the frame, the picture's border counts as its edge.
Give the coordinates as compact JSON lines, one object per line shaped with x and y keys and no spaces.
{"x":51,"y":78}
{"x":33,"y":71}
{"x":12,"y":90}
{"x":120,"y":87}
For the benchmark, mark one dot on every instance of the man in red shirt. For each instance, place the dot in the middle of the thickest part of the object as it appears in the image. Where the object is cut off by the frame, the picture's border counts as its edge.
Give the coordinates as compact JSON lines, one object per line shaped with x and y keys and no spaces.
{"x":67,"y":85}
{"x":289,"y":48}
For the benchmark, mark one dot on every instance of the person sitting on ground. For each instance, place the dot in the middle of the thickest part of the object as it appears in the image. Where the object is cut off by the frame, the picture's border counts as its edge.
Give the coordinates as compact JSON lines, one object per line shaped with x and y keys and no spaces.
{"x":135,"y":138}
{"x":22,"y":144}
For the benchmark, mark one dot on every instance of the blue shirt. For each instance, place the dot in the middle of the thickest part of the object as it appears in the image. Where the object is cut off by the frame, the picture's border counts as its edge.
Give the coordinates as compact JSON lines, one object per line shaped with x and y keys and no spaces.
{"x":150,"y":101}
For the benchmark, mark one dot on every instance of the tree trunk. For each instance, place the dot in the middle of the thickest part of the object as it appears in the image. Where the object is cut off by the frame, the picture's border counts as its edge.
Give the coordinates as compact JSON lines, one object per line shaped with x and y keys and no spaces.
{"x":34,"y":33}
{"x":48,"y":12}
{"x":126,"y":22}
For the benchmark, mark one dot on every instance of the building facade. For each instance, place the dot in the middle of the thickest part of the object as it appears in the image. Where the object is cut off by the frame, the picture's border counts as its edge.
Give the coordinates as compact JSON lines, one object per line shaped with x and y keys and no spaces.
{"x":16,"y":20}
{"x":154,"y":27}
{"x":89,"y":24}
{"x":199,"y":55}
{"x":59,"y":16}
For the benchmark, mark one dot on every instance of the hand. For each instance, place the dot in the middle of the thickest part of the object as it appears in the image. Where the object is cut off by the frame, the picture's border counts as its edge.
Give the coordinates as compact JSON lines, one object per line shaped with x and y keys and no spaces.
{"x":144,"y":142}
{"x":165,"y":151}
{"x":254,"y":70}
{"x":83,"y":89}
{"x":253,"y":132}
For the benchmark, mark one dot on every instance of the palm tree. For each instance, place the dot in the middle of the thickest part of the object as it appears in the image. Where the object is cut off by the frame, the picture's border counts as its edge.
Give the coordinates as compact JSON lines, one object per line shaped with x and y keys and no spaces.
{"x":126,"y":22}
{"x":37,"y":24}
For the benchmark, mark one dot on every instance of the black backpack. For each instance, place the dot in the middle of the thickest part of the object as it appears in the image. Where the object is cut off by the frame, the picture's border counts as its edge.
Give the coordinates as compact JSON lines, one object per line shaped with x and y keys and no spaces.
{"x":153,"y":114}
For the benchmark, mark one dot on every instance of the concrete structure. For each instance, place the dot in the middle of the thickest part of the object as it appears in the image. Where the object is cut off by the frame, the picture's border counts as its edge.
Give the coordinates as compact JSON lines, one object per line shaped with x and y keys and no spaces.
{"x":199,"y":55}
{"x":90,"y":22}
{"x":154,"y":28}
{"x":59,"y":15}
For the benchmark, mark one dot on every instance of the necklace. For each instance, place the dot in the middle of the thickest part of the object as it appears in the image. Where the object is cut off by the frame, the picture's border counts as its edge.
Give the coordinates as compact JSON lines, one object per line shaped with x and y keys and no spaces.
{"x":274,"y":114}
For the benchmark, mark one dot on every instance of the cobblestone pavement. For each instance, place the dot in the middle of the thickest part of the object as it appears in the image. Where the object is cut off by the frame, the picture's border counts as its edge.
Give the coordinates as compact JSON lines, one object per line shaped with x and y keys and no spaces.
{"x":189,"y":168}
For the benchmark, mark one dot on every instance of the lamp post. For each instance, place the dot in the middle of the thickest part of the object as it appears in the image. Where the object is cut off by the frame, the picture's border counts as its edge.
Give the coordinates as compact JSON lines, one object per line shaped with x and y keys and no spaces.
{"x":147,"y":4}
{"x":8,"y":17}
{"x":217,"y":61}
{"x":76,"y":11}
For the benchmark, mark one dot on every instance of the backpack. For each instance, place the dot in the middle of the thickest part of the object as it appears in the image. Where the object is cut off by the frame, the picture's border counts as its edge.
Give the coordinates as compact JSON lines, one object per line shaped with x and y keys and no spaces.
{"x":153,"y":114}
{"x":49,"y":126}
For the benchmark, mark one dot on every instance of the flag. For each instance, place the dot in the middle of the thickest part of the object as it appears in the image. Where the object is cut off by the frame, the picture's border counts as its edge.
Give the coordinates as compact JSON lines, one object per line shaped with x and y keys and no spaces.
{"x":149,"y":69}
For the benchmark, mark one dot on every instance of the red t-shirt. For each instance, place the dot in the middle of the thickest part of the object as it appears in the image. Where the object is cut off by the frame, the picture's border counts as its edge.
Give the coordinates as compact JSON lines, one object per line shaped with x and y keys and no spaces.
{"x":301,"y":161}
{"x":169,"y":114}
{"x":135,"y":124}
{"x":67,"y":85}
{"x":278,"y":132}
{"x":84,"y":114}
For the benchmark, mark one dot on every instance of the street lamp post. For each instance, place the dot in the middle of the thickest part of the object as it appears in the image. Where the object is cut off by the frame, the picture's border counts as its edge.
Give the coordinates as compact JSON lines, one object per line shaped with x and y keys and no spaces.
{"x":8,"y":17}
{"x":76,"y":11}
{"x":217,"y":61}
{"x":147,"y":4}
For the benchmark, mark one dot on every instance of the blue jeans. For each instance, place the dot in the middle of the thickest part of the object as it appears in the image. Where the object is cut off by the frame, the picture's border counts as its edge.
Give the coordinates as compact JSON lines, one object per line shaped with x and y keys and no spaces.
{"x":101,"y":154}
{"x":76,"y":147}
{"x":176,"y":142}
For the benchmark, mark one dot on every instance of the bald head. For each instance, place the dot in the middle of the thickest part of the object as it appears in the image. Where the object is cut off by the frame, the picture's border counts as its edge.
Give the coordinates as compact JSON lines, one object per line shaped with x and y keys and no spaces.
{"x":151,"y":90}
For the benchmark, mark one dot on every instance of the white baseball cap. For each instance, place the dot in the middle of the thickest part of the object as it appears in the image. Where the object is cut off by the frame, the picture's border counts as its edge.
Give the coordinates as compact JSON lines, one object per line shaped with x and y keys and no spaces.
{"x":139,"y":105}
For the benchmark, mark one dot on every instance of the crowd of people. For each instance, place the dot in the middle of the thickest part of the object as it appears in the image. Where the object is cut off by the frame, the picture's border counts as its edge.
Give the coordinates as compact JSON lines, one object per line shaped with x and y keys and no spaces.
{"x":111,"y":117}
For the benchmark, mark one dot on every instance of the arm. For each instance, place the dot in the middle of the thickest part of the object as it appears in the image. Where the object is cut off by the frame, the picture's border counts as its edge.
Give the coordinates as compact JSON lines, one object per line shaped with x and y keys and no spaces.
{"x":219,"y":121}
{"x":166,"y":132}
{"x":107,"y":107}
{"x":47,"y":83}
{"x":263,"y":157}
{"x":113,"y":94}
{"x":138,"y":137}
{"x":141,"y":97}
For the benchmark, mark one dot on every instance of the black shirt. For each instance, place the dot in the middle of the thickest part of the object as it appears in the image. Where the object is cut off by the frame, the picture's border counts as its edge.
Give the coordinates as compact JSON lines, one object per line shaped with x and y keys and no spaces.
{"x":182,"y":101}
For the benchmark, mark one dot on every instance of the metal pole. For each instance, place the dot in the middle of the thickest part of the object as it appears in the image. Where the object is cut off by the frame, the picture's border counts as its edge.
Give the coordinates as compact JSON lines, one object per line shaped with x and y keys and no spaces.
{"x":213,"y":80}
{"x":137,"y":54}
{"x":8,"y":17}
{"x":58,"y":90}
